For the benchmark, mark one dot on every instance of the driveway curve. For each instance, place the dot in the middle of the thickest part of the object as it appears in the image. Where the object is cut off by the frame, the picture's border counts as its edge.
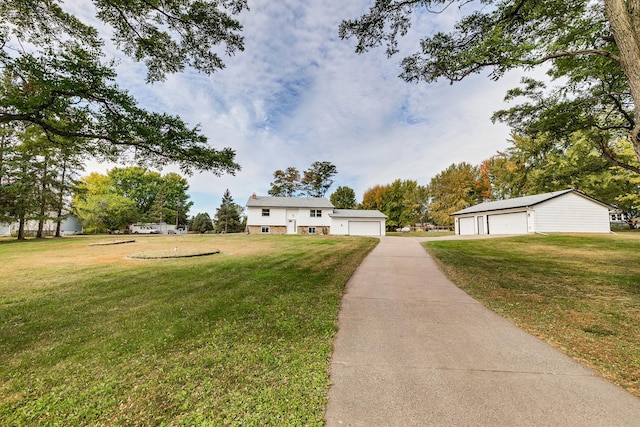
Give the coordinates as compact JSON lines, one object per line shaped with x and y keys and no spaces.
{"x":412,"y":349}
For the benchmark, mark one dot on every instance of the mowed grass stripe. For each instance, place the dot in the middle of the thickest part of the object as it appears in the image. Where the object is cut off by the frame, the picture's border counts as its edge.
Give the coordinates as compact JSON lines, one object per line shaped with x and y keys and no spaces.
{"x":243,"y":337}
{"x":580,"y":293}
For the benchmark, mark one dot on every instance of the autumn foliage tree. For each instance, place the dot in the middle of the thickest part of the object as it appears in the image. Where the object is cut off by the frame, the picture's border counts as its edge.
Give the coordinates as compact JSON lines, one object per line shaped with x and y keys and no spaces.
{"x":451,"y":190}
{"x":404,"y":202}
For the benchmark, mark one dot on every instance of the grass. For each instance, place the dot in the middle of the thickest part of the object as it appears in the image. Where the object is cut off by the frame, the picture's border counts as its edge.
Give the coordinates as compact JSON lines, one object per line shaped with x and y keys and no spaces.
{"x":579,"y":293}
{"x":89,"y":337}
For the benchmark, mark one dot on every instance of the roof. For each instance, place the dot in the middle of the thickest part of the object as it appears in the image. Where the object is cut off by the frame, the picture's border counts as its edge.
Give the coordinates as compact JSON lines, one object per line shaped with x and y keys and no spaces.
{"x":522,"y":202}
{"x":356,"y":213}
{"x":289,"y":202}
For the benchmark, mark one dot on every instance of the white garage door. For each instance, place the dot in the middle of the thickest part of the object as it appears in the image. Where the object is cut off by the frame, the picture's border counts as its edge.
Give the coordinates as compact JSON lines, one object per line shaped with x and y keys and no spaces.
{"x":512,"y":223}
{"x":364,"y":228}
{"x":466,"y":225}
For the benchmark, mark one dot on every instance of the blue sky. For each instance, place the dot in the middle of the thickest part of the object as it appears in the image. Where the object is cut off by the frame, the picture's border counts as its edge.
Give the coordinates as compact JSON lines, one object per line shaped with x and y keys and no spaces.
{"x":298,"y":94}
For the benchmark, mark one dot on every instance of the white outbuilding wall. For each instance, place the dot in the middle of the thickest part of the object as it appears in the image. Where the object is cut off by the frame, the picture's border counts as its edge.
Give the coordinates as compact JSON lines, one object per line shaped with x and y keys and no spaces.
{"x":571,"y":213}
{"x":567,"y":211}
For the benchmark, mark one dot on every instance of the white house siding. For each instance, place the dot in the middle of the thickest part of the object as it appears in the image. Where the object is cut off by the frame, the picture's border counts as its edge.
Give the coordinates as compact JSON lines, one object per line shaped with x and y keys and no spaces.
{"x":340,"y":226}
{"x":5,"y":229}
{"x":277,"y":216}
{"x":571,"y":213}
{"x":296,"y":220}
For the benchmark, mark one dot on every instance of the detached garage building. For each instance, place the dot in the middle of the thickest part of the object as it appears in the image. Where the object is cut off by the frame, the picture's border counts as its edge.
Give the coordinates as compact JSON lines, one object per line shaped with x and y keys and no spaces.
{"x":567,"y":211}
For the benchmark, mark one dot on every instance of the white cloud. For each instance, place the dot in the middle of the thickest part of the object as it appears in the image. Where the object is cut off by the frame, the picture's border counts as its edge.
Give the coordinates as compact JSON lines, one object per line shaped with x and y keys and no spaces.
{"x":298,"y":94}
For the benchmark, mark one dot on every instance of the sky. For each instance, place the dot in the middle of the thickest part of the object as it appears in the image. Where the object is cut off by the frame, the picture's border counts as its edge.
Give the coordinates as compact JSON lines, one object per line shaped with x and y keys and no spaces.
{"x":299,"y":94}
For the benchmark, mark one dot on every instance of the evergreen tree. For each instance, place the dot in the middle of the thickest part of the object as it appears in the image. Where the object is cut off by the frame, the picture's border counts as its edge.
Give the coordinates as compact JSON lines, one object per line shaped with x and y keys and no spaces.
{"x":227,"y":218}
{"x":201,"y":223}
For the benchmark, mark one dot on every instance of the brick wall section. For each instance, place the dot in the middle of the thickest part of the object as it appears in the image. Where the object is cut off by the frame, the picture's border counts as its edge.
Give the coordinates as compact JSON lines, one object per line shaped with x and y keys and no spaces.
{"x":279,"y":229}
{"x":319,"y":230}
{"x":273,"y":229}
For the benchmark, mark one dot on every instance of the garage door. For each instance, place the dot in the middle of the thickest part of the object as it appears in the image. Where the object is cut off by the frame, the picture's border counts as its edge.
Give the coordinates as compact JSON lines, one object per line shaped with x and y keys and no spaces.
{"x":364,"y":228}
{"x":512,"y":223}
{"x":466,"y":225}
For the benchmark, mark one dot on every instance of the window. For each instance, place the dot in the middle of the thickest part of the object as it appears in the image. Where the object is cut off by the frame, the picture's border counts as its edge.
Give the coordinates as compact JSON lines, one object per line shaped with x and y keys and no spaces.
{"x":265,"y":229}
{"x":316,"y":213}
{"x":265,"y":212}
{"x":312,"y":230}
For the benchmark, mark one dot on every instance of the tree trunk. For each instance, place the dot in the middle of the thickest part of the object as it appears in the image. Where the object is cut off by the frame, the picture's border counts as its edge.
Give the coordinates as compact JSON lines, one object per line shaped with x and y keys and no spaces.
{"x":624,"y":17}
{"x":21,"y":228}
{"x":43,"y":201}
{"x":61,"y":199}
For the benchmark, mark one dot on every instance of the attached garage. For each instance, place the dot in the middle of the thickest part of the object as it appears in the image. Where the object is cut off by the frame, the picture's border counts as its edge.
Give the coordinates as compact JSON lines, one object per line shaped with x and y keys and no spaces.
{"x":364,"y":228}
{"x":508,"y":223}
{"x":354,"y":222}
{"x":567,"y":211}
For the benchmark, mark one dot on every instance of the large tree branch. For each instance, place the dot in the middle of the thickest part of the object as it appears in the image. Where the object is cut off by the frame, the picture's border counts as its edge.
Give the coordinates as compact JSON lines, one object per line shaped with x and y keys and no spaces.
{"x":612,"y":158}
{"x":564,"y":53}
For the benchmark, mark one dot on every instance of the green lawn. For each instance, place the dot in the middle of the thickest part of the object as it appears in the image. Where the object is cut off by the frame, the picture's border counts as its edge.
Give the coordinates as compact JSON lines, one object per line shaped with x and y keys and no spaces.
{"x":243,"y":337}
{"x":580,"y":293}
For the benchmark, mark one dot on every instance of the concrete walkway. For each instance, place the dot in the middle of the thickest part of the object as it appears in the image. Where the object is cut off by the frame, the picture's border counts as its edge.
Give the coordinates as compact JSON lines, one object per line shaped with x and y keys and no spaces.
{"x":414,"y":350}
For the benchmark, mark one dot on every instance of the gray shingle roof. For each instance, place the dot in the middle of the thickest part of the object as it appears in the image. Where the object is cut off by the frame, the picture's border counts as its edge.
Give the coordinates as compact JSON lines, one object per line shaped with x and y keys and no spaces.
{"x":356,"y":213}
{"x":520,"y":202}
{"x":289,"y":202}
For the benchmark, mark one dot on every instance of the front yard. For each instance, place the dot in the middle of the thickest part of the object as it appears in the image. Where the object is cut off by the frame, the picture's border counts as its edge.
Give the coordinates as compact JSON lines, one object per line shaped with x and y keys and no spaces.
{"x":579,"y":293}
{"x":89,"y":337}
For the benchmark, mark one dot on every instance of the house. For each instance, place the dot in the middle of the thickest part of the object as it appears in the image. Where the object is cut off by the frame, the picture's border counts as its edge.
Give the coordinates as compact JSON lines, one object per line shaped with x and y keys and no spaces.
{"x":567,"y":211}
{"x":69,"y":225}
{"x":311,"y":215}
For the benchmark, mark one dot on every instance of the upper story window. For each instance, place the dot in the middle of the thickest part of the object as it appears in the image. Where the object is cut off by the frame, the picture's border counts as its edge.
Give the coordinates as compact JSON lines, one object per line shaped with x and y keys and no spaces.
{"x":316,"y":213}
{"x":265,"y":212}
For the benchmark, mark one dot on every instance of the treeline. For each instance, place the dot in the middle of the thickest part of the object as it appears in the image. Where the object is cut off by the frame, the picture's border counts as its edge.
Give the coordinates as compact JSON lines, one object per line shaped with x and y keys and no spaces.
{"x":39,"y":181}
{"x":130,"y":194}
{"x":37,"y":176}
{"x":528,"y":166}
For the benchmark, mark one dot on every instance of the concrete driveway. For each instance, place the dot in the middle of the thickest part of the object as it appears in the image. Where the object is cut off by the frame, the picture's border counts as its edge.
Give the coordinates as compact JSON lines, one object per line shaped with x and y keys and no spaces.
{"x":414,"y":350}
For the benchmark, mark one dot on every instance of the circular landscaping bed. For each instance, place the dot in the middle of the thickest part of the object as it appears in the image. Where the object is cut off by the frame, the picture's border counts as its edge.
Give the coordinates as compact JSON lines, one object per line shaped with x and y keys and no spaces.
{"x":173,"y":253}
{"x":112,"y":242}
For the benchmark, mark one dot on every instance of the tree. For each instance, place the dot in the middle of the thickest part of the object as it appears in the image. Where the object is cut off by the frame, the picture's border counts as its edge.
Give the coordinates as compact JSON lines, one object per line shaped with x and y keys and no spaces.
{"x":597,"y":57}
{"x":155,"y":197}
{"x":176,"y":199}
{"x":543,"y":166}
{"x":416,"y":203}
{"x":201,"y":223}
{"x":403,"y":202}
{"x":343,"y":198}
{"x":373,"y":198}
{"x":286,"y":183}
{"x":99,"y":213}
{"x":227,"y":218}
{"x":318,"y":178}
{"x":63,"y":85}
{"x":451,"y":190}
{"x":35,"y":178}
